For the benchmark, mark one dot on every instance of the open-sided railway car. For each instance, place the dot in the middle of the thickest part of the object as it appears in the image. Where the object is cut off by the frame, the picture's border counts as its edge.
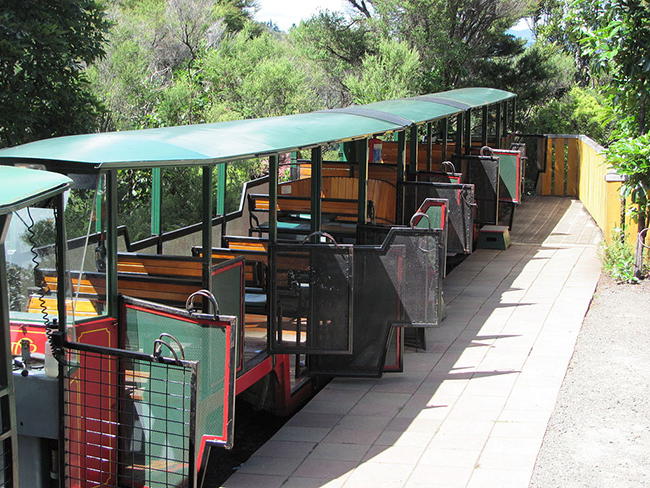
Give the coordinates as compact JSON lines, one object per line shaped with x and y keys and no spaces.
{"x":331,"y":270}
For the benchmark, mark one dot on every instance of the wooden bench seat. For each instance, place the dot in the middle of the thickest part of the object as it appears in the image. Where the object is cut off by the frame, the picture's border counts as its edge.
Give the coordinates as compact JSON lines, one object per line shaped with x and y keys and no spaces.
{"x":84,"y":307}
{"x":339,"y":205}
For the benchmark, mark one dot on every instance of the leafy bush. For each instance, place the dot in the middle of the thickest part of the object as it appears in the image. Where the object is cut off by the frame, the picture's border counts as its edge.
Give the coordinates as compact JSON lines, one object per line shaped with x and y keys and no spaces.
{"x":618,"y":259}
{"x":631,"y":157}
{"x":580,"y":111}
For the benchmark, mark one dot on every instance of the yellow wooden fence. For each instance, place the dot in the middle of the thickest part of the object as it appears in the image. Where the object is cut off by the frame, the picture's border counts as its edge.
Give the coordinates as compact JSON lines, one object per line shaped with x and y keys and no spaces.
{"x":575,"y":167}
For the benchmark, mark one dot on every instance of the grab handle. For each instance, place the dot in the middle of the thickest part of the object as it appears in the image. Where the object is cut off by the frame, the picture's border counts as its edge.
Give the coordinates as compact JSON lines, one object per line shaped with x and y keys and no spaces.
{"x":189,"y":304}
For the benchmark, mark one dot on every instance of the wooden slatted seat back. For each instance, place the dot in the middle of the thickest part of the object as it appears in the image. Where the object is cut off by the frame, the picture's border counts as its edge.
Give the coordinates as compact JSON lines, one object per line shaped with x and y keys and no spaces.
{"x":159,"y":265}
{"x":384,"y":198}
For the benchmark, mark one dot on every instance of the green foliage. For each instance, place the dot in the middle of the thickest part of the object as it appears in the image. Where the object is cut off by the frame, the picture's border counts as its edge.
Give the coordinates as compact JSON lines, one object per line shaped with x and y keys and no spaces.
{"x":618,"y":260}
{"x":580,"y":111}
{"x":456,"y":39}
{"x":78,"y":210}
{"x":239,"y":173}
{"x":631,"y":157}
{"x":335,"y":47}
{"x":45,"y":47}
{"x":538,"y":75}
{"x":235,"y":13}
{"x":17,"y":278}
{"x":42,"y":233}
{"x":614,"y":36}
{"x":394,"y":72}
{"x":255,"y":76}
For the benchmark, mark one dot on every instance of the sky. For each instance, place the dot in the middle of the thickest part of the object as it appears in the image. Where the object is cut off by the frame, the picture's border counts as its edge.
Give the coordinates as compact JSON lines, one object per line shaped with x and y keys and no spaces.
{"x":285,"y":13}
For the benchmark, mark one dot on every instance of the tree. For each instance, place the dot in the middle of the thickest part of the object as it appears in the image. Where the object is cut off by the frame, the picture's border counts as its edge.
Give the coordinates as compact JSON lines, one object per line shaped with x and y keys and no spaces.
{"x":393,"y":72}
{"x":45,"y":48}
{"x":451,"y":36}
{"x":615,"y":38}
{"x":335,"y":46}
{"x":579,"y":111}
{"x":251,"y":76}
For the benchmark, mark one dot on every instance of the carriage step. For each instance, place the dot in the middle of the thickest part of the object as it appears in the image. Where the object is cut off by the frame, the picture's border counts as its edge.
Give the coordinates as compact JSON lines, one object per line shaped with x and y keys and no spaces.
{"x":494,"y":237}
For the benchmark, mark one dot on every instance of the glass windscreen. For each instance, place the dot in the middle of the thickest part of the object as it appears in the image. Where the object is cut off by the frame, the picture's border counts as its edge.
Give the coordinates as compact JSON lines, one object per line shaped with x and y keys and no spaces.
{"x":33,"y":280}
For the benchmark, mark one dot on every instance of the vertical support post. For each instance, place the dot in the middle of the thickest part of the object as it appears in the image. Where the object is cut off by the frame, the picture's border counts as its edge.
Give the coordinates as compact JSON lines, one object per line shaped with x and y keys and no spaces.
{"x":429,"y":146}
{"x":401,"y":160}
{"x":413,"y":152}
{"x":316,"y":186}
{"x":98,"y":203}
{"x":7,"y":396}
{"x":273,"y":199}
{"x":111,"y":244}
{"x":61,"y":265}
{"x":514,"y":114}
{"x":206,"y":237}
{"x":62,"y":278}
{"x":468,"y":131}
{"x":156,"y":205}
{"x":445,"y":137}
{"x":222,"y":171}
{"x":506,"y":118}
{"x":497,"y":142}
{"x":362,"y":213}
{"x":484,"y":126}
{"x":459,"y":133}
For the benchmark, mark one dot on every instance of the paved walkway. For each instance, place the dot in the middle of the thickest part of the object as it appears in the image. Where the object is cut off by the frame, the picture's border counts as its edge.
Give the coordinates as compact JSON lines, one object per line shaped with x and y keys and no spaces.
{"x":471,"y":410}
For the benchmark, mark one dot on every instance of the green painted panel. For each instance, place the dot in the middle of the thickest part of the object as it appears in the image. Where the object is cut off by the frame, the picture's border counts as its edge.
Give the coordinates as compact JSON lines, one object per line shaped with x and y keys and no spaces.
{"x":436,"y":217}
{"x":509,"y":173}
{"x":227,"y":286}
{"x":209,"y":341}
{"x":22,"y":187}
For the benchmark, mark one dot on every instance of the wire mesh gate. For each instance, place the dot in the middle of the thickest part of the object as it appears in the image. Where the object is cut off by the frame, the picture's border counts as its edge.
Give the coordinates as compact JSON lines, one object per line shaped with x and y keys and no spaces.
{"x":129,"y":419}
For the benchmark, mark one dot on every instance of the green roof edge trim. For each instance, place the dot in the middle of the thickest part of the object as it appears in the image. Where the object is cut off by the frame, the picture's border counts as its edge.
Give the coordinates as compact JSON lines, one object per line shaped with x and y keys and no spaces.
{"x":22,"y":187}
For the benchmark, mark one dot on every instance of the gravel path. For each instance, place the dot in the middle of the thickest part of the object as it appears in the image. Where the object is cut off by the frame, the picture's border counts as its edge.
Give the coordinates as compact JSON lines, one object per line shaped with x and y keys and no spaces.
{"x":599,"y":433}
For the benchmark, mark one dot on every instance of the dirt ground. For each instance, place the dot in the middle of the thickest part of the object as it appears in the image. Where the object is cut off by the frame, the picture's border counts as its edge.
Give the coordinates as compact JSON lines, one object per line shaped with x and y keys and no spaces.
{"x":599,"y":434}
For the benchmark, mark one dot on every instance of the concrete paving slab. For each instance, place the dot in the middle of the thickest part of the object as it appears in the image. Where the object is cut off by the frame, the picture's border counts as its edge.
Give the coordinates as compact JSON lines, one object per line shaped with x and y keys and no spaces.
{"x":471,"y":410}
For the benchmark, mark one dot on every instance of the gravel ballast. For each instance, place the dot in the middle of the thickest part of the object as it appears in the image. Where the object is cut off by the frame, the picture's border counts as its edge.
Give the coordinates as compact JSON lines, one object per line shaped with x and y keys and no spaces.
{"x":599,"y":433}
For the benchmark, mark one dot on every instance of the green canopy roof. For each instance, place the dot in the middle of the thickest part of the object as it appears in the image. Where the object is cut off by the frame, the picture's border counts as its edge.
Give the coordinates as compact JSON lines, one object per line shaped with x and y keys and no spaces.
{"x":242,"y":139}
{"x":210,"y":143}
{"x":22,"y":187}
{"x":471,"y":97}
{"x":417,"y":111}
{"x":427,"y":108}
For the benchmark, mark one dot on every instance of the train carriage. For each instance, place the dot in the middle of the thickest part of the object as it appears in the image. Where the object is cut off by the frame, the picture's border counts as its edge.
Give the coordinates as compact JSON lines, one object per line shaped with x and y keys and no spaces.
{"x":180,"y":323}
